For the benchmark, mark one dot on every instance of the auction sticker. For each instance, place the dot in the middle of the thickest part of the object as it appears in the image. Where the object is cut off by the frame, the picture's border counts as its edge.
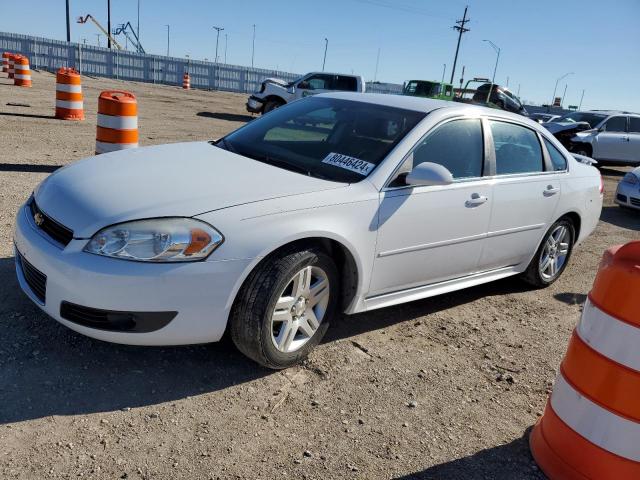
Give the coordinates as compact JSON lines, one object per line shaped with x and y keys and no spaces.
{"x":349,"y":163}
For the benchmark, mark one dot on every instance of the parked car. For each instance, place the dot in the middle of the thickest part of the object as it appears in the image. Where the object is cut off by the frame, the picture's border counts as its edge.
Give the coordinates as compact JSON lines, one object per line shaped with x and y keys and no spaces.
{"x":500,"y":97}
{"x":628,"y":191}
{"x":340,"y":202}
{"x":615,"y":140}
{"x":274,"y":93}
{"x":428,"y":89}
{"x":543,"y":117}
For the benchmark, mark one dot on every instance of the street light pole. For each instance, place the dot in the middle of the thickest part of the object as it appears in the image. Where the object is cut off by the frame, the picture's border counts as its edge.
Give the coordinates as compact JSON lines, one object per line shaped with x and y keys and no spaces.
{"x":167,"y":39}
{"x":564,"y":95}
{"x":226,"y":42}
{"x":497,"y":49}
{"x":581,"y":98}
{"x":253,"y":45}
{"x":109,"y":23}
{"x":326,"y":44}
{"x":444,"y":69}
{"x":556,"y":87}
{"x":138,"y":27}
{"x":218,"y":30}
{"x":68,"y":24}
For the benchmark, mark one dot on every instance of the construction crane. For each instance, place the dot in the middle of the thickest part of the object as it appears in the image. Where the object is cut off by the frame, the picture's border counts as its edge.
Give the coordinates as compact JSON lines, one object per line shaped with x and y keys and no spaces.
{"x":90,"y":17}
{"x":127,"y":30}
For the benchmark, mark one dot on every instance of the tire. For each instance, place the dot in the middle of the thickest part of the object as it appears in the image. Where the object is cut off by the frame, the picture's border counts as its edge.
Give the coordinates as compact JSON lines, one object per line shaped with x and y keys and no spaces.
{"x":271,"y":105}
{"x":286,"y":341}
{"x":538,"y":277}
{"x":582,"y":151}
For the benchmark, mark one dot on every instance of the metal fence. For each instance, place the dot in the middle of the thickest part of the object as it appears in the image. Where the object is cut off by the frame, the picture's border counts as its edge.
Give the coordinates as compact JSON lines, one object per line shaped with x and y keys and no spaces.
{"x":47,"y":54}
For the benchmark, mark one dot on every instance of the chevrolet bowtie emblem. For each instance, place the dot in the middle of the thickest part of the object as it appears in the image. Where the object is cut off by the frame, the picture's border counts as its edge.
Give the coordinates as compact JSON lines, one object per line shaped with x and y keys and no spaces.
{"x":38,"y":218}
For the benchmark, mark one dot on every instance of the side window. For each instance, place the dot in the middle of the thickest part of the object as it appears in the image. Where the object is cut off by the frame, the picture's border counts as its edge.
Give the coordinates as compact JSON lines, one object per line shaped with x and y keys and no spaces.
{"x":320,"y":82}
{"x":349,"y":84}
{"x":557,"y":159}
{"x":517,"y":149}
{"x":616,"y":124}
{"x":634,"y":124}
{"x":456,"y":145}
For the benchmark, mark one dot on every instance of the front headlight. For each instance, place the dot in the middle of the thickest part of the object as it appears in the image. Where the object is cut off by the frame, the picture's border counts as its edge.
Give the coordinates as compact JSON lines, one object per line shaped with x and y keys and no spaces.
{"x":157,"y":240}
{"x":630,"y":178}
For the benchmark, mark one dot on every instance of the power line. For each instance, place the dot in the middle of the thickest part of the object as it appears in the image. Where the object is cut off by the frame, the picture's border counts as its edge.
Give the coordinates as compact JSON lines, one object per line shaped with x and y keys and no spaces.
{"x":460,"y":27}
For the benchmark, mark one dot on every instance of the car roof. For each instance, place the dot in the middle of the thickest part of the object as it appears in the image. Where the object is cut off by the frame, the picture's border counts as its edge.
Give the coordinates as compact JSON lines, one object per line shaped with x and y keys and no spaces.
{"x":420,"y":104}
{"x":611,"y":112}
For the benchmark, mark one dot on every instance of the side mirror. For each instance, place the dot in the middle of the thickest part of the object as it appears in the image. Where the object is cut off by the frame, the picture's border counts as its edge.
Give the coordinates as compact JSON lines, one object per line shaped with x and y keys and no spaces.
{"x":304,"y":85}
{"x":428,"y":173}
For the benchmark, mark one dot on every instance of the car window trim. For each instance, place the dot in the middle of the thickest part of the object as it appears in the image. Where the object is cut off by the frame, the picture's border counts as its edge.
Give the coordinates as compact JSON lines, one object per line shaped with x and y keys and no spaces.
{"x":551,"y":167}
{"x":485,"y":146}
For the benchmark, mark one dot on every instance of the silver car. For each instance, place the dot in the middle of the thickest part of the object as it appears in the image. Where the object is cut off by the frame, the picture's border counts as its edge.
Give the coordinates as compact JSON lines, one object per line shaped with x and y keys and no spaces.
{"x":628,"y":191}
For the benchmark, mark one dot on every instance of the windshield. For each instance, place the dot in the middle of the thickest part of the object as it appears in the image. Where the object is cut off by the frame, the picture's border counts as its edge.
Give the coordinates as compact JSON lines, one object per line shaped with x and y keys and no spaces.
{"x":593,"y":119}
{"x":338,"y":140}
{"x":422,"y":88}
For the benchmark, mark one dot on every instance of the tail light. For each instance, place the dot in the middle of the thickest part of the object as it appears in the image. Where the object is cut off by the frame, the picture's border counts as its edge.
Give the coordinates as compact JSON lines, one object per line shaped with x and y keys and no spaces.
{"x":601,"y":185}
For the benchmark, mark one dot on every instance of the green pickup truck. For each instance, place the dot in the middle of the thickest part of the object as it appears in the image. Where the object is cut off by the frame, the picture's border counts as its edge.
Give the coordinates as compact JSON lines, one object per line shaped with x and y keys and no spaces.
{"x":428,"y":89}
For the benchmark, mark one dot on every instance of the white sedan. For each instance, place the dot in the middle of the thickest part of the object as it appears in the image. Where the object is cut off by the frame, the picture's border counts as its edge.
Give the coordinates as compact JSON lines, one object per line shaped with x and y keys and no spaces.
{"x":335,"y":203}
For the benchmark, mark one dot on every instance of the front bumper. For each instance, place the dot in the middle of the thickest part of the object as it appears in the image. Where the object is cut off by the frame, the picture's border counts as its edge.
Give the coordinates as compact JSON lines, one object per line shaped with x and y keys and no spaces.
{"x":200,"y":292}
{"x":628,"y":195}
{"x":254,"y":104}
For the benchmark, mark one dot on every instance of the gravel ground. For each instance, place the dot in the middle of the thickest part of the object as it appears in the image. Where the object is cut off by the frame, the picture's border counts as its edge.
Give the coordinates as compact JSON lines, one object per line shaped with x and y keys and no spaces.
{"x":443,"y":388}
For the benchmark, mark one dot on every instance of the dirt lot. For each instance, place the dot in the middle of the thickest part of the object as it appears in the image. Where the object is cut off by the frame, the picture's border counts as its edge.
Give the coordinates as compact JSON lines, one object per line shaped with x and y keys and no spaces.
{"x":478,"y":363}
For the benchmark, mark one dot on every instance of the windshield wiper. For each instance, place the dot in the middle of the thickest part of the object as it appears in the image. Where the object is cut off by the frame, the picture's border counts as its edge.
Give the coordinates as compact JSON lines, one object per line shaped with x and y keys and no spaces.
{"x":282,"y":164}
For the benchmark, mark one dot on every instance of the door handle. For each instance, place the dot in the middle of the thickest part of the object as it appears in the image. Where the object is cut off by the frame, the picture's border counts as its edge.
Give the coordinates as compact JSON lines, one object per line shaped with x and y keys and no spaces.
{"x":475,"y":200}
{"x":551,"y":190}
{"x":625,"y":139}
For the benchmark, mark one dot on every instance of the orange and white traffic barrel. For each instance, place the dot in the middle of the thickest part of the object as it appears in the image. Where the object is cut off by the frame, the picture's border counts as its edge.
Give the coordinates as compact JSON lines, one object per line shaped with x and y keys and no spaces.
{"x":69,"y":101}
{"x":186,"y":81}
{"x":22,"y":75}
{"x":591,"y":426}
{"x":5,"y":62}
{"x":117,"y":121}
{"x":11,"y":62}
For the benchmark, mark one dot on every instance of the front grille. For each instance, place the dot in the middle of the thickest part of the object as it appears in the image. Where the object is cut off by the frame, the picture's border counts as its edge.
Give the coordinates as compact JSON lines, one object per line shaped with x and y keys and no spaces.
{"x":36,"y":280}
{"x":140,"y":322}
{"x":635,"y":201}
{"x":58,"y":232}
{"x":621,"y":198}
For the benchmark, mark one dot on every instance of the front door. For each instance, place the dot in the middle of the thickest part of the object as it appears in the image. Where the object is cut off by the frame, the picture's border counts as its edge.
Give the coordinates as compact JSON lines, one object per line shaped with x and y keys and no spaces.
{"x":429,"y":234}
{"x":315,"y":84}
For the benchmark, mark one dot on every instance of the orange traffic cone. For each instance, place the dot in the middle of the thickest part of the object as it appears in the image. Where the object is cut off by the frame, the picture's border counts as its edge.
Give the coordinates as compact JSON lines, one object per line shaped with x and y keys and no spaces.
{"x":5,"y":62}
{"x":12,"y":60}
{"x":69,"y":101}
{"x":590,"y":429}
{"x":186,"y":81}
{"x":22,"y":75}
{"x":117,"y":121}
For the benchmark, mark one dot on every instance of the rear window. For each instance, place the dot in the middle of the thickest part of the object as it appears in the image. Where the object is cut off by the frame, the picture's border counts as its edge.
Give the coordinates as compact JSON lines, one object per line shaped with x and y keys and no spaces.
{"x":517,"y":149}
{"x":337,"y":140}
{"x":557,"y":159}
{"x":349,"y":84}
{"x":634,"y":124}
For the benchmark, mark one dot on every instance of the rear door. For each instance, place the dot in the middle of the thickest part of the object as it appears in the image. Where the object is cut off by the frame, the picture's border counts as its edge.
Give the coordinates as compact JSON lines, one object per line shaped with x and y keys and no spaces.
{"x":611,"y":143}
{"x":634,"y":140}
{"x":526,"y":192}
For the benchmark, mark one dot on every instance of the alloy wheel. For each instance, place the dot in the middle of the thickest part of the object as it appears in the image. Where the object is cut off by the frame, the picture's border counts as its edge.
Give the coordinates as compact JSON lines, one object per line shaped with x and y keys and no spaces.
{"x":555,"y":253}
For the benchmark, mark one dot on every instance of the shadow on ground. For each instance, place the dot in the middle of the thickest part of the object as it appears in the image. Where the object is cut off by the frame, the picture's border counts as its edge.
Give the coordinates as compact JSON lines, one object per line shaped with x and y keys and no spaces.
{"x":504,"y":462}
{"x":25,"y":167}
{"x":621,"y":217}
{"x":229,"y":117}
{"x":47,"y":369}
{"x":571,"y":298}
{"x":27,"y":115}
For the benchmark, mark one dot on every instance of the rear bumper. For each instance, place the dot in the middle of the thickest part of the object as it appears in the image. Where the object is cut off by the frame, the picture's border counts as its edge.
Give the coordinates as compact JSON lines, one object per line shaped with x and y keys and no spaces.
{"x":122,"y":301}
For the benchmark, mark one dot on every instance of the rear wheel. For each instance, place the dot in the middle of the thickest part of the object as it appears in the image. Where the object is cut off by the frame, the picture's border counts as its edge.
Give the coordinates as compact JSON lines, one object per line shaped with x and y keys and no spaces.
{"x":272,"y":105}
{"x":284,"y":309}
{"x":552,"y":256}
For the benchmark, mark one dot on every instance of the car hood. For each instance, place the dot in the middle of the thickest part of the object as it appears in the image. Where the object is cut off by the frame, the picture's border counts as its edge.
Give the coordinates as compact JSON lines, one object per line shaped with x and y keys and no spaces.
{"x":180,"y":179}
{"x":556,"y":127}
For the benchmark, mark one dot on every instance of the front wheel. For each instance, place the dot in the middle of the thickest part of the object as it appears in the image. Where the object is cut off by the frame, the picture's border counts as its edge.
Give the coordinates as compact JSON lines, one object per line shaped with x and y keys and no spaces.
{"x":272,"y":105}
{"x":552,"y":256}
{"x":284,"y":308}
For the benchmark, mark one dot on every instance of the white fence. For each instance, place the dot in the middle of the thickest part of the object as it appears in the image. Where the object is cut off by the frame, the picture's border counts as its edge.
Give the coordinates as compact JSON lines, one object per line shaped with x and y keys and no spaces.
{"x":47,"y":54}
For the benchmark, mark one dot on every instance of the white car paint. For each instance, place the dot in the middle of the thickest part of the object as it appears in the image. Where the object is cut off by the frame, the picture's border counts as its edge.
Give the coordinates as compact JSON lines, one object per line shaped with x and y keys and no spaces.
{"x":628,"y":190}
{"x":620,"y":145}
{"x":406,"y":243}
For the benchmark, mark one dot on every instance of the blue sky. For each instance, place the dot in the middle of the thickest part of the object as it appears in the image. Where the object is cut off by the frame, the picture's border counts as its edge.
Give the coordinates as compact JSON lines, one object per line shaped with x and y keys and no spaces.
{"x":540,"y":40}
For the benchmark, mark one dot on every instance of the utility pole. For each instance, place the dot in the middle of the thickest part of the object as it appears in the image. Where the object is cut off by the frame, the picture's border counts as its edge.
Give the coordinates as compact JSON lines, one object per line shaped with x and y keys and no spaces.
{"x":326,"y":44}
{"x":444,"y":69}
{"x":218,"y":30}
{"x":460,"y":27}
{"x":168,"y":28}
{"x":253,"y":47}
{"x":375,"y":75}
{"x":109,"y":23}
{"x":138,"y":27}
{"x":68,"y":24}
{"x":581,"y":98}
{"x":226,"y":41}
{"x":518,"y":94}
